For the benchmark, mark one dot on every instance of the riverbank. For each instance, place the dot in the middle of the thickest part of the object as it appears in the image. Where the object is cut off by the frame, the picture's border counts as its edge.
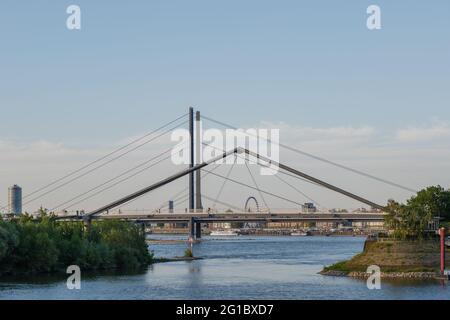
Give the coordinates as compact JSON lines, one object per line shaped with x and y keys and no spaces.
{"x":396,"y":259}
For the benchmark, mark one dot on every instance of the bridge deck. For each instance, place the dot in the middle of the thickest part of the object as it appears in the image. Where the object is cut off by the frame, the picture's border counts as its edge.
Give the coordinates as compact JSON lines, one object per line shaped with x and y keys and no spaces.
{"x":245,"y":217}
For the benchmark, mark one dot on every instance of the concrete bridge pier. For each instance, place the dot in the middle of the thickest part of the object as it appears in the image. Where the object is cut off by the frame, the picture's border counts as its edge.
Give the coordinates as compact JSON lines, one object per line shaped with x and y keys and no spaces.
{"x":195,"y":229}
{"x":142,"y":224}
{"x":87,"y":221}
{"x":198,"y":230}
{"x":191,"y":227}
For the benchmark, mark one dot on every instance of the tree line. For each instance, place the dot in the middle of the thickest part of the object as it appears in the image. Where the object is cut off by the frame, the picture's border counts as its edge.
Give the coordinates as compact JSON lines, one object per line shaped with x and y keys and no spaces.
{"x":30,"y":245}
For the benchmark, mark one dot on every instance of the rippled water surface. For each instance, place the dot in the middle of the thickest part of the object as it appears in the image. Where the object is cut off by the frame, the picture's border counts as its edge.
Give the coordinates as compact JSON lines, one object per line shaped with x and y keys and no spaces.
{"x":241,"y":267}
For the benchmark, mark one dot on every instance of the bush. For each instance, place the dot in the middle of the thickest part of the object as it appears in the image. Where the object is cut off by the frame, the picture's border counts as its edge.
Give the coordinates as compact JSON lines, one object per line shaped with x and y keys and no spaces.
{"x":188,"y":253}
{"x":46,"y":245}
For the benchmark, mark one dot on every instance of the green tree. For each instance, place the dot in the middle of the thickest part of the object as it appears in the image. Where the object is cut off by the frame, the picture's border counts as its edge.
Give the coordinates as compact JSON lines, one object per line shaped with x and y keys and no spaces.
{"x":412,"y":219}
{"x":433,"y":201}
{"x":9,"y":240}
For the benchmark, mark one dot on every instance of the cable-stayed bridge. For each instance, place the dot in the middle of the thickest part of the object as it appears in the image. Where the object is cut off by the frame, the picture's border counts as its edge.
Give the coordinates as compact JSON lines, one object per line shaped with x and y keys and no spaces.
{"x":195,"y":214}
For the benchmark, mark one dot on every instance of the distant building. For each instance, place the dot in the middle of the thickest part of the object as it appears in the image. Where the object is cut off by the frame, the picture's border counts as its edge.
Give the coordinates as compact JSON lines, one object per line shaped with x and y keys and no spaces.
{"x":288,"y":225}
{"x":309,"y":207}
{"x":338,"y":210}
{"x":223,"y":225}
{"x":15,"y":199}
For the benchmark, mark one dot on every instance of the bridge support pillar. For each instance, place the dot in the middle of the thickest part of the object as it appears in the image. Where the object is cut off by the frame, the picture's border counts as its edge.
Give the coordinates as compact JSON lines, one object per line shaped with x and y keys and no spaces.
{"x":191,"y":226}
{"x":198,"y":230}
{"x":87,"y":221}
{"x":143,"y":228}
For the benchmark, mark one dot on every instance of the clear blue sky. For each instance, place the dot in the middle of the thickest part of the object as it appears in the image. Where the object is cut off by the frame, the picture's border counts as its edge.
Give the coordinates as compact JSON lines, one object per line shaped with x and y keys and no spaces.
{"x":135,"y":64}
{"x":374,"y":100}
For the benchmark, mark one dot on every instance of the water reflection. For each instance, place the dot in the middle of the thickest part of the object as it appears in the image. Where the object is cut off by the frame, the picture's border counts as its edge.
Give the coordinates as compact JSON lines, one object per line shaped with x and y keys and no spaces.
{"x":239,"y":268}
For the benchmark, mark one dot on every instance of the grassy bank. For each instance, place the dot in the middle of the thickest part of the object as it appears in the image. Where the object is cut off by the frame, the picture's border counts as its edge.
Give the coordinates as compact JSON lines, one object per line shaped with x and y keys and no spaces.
{"x":393,"y":256}
{"x":28,"y":246}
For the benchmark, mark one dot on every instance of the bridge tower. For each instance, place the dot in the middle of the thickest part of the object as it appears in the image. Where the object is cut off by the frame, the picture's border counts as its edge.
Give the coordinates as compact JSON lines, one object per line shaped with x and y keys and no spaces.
{"x":191,"y":159}
{"x":198,"y":160}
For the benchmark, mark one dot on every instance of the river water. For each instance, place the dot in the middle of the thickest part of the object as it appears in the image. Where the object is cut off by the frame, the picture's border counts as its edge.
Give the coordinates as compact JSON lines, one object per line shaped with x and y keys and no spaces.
{"x":243,"y":267}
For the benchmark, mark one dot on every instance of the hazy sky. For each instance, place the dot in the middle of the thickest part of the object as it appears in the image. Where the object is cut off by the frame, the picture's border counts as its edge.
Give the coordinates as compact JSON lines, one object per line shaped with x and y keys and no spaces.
{"x":374,"y":100}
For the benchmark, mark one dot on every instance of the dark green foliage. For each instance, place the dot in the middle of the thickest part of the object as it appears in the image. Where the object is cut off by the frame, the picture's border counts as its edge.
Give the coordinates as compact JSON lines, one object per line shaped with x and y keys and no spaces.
{"x":411,"y":220}
{"x":46,"y":245}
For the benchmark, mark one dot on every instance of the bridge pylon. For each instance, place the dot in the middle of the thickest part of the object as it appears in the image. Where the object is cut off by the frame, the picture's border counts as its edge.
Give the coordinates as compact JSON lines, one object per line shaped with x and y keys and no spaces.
{"x":191,"y":159}
{"x":198,"y":160}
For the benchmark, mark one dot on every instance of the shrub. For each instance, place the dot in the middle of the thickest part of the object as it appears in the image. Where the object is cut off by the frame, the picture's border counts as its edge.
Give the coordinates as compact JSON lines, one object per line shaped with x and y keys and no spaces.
{"x":46,"y":245}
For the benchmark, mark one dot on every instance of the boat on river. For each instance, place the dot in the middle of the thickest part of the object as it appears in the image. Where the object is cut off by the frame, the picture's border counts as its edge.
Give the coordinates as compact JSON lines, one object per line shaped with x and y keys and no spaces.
{"x":299,"y":233}
{"x":224,"y":233}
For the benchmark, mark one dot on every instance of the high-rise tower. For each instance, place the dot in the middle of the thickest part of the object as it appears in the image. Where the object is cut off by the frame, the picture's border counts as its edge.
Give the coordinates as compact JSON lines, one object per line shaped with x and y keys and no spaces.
{"x":15,"y":199}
